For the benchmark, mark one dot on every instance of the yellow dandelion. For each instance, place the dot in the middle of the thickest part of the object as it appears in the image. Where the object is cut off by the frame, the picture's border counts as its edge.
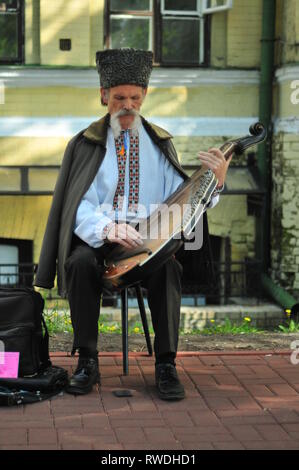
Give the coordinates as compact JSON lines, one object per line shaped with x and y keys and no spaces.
{"x":136,"y":330}
{"x":113,"y":328}
{"x":288,"y":311}
{"x":212,"y":321}
{"x":247,"y":319}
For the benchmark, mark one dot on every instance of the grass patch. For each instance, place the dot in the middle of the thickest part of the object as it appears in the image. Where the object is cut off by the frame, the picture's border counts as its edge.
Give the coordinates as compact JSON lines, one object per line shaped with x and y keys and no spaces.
{"x":290,"y":327}
{"x":227,"y":328}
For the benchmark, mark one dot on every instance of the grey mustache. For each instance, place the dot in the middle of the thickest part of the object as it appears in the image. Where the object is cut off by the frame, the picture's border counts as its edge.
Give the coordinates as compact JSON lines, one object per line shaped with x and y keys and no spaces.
{"x":124,"y":112}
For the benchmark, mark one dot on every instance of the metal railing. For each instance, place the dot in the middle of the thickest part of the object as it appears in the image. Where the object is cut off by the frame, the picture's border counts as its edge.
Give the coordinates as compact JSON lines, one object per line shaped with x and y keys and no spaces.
{"x":231,"y":280}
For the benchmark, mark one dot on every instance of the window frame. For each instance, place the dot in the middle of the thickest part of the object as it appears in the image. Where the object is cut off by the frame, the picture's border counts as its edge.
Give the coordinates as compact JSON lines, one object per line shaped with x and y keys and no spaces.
{"x":21,"y":36}
{"x":130,"y":16}
{"x":180,"y":12}
{"x":206,"y":10}
{"x":156,"y":21}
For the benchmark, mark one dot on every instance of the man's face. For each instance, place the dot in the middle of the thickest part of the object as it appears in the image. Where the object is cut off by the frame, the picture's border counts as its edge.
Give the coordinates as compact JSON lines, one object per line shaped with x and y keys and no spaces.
{"x":125,"y":98}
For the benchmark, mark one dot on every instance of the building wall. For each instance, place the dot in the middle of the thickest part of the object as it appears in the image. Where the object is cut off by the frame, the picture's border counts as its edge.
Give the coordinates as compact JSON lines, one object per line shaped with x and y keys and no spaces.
{"x":285,"y":152}
{"x":201,"y":108}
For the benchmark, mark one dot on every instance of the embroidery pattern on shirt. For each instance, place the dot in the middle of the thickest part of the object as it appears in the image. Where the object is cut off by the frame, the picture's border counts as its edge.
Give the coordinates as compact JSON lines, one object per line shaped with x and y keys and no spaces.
{"x":133,"y":172}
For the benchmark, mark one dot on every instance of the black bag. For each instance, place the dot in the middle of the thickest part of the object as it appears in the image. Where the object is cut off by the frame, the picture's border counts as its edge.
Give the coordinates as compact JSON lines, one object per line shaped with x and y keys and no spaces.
{"x":21,"y":320}
{"x":21,"y":330}
{"x":44,"y":385}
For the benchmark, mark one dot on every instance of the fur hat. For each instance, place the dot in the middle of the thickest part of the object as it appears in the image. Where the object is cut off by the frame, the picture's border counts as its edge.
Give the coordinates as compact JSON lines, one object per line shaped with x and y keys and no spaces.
{"x":125,"y":66}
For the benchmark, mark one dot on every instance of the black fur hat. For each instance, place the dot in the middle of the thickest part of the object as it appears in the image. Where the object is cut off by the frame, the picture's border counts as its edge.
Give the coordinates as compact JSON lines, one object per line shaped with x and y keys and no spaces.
{"x":125,"y":66}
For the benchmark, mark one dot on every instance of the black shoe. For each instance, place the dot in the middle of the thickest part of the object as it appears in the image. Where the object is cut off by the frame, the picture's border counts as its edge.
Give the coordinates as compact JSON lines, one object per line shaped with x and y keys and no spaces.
{"x":86,"y":375}
{"x":167,"y":382}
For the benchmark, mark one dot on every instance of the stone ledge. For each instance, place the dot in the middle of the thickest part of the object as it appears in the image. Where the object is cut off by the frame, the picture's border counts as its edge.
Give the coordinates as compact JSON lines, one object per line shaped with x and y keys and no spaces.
{"x":262,"y":316}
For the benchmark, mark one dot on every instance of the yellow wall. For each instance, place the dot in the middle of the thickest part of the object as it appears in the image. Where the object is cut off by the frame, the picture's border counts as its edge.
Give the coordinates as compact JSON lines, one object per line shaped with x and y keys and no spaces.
{"x":244,"y":26}
{"x":235,"y":34}
{"x":32,"y":32}
{"x":24,"y":218}
{"x":206,"y":100}
{"x":65,"y":19}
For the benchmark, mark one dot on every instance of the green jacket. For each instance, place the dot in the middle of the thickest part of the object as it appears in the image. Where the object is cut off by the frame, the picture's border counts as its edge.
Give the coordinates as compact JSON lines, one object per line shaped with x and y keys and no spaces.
{"x":82,"y":159}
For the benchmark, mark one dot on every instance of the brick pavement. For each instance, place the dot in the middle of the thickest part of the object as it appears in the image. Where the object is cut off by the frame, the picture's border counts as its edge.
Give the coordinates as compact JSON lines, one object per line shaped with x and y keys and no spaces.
{"x":233,"y":401}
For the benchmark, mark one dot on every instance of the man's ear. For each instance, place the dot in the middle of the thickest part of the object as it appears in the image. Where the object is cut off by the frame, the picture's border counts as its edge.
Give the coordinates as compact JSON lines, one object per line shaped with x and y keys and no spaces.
{"x":104,"y":96}
{"x":144,"y":92}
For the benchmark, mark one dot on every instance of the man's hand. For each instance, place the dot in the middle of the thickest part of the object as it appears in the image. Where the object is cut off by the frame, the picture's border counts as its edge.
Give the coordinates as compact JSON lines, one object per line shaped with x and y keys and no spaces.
{"x":215,"y":160}
{"x":125,"y":235}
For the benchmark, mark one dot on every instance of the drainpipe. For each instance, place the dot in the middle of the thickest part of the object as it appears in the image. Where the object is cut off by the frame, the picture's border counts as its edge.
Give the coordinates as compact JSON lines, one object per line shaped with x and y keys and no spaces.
{"x":277,"y":293}
{"x":265,"y":115}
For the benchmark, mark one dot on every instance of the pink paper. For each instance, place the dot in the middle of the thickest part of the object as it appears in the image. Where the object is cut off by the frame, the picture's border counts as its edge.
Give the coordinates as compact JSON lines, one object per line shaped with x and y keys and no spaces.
{"x":9,"y":365}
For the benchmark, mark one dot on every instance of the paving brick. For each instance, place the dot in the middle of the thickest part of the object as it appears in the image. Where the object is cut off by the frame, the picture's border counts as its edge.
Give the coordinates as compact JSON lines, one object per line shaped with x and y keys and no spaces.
{"x":136,"y":423}
{"x":136,"y":435}
{"x":271,"y":445}
{"x":272,"y":432}
{"x":188,"y":404}
{"x":103,"y":446}
{"x":159,"y":435}
{"x":154,"y":446}
{"x":245,"y":432}
{"x":13,"y":436}
{"x":228,"y":445}
{"x":142,"y":404}
{"x":293,"y":427}
{"x":240,"y":370}
{"x":259,"y":390}
{"x":212,"y":360}
{"x":279,"y":402}
{"x":42,"y":436}
{"x":203,"y":380}
{"x":95,"y":420}
{"x":235,"y":359}
{"x":283,"y":389}
{"x":261,"y":380}
{"x":83,"y":437}
{"x":285,"y":416}
{"x":198,"y":446}
{"x":202,"y":434}
{"x":263,"y":371}
{"x":219,"y":403}
{"x":209,"y":370}
{"x":246,"y":403}
{"x":180,"y":418}
{"x":229,"y":417}
{"x":31,"y":447}
{"x":86,"y":446}
{"x":205,"y":418}
{"x":68,"y":422}
{"x":232,"y":402}
{"x":223,"y":390}
{"x":226,"y":379}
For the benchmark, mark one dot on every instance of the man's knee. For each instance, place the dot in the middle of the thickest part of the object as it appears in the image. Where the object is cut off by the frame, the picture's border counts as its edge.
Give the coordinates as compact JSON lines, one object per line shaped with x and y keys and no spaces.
{"x":82,"y":258}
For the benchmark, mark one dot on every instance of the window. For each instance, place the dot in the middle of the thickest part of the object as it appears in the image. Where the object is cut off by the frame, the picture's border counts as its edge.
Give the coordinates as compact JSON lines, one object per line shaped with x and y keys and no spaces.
{"x":29,"y":179}
{"x":9,"y":260}
{"x":175,"y":30}
{"x":11,"y":31}
{"x":16,"y":262}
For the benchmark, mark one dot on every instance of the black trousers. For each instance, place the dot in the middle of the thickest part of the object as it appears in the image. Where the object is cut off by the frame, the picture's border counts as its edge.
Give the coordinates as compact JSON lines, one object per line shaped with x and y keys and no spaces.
{"x":84,"y":269}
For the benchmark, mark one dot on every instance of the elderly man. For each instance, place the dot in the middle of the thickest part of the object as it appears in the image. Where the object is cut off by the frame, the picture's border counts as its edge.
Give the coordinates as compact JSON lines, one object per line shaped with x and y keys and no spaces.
{"x":123,"y":162}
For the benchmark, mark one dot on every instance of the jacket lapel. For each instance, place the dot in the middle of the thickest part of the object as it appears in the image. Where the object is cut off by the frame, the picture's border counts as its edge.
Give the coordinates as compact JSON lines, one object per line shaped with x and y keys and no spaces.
{"x":97,"y":133}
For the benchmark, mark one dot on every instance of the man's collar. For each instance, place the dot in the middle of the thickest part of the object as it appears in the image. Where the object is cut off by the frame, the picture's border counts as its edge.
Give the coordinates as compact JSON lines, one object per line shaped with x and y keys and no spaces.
{"x":97,"y":131}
